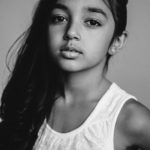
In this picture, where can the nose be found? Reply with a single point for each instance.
(72, 32)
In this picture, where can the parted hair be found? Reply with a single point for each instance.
(35, 79)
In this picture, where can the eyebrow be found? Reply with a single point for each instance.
(60, 6)
(97, 10)
(89, 9)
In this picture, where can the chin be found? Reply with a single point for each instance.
(70, 69)
(69, 65)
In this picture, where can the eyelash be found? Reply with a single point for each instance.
(60, 19)
(93, 22)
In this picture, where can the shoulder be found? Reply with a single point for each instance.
(134, 122)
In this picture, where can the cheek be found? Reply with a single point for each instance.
(105, 39)
(54, 37)
(102, 36)
(100, 43)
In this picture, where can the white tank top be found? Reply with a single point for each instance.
(97, 131)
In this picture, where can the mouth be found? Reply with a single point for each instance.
(71, 49)
(70, 52)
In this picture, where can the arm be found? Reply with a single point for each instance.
(138, 124)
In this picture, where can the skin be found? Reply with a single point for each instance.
(77, 25)
(133, 127)
(74, 25)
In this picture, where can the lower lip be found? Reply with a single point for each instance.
(70, 54)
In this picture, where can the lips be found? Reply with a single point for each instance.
(71, 49)
(70, 52)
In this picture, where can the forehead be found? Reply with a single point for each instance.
(81, 1)
(81, 4)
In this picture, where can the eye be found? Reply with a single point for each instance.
(93, 23)
(58, 19)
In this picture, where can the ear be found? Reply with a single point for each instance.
(118, 43)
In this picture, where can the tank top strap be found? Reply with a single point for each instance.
(105, 116)
(117, 99)
(111, 103)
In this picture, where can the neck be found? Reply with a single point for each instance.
(85, 85)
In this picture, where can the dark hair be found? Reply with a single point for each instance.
(119, 12)
(30, 92)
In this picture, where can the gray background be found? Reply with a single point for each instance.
(130, 68)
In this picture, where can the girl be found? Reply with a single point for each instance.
(58, 96)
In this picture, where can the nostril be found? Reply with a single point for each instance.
(71, 36)
(72, 31)
(67, 37)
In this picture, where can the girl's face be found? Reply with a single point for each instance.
(80, 32)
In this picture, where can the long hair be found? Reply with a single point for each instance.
(118, 9)
(30, 92)
(35, 80)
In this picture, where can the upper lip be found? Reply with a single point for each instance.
(71, 48)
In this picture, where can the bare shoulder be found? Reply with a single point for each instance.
(134, 122)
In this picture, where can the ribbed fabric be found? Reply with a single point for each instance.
(97, 131)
